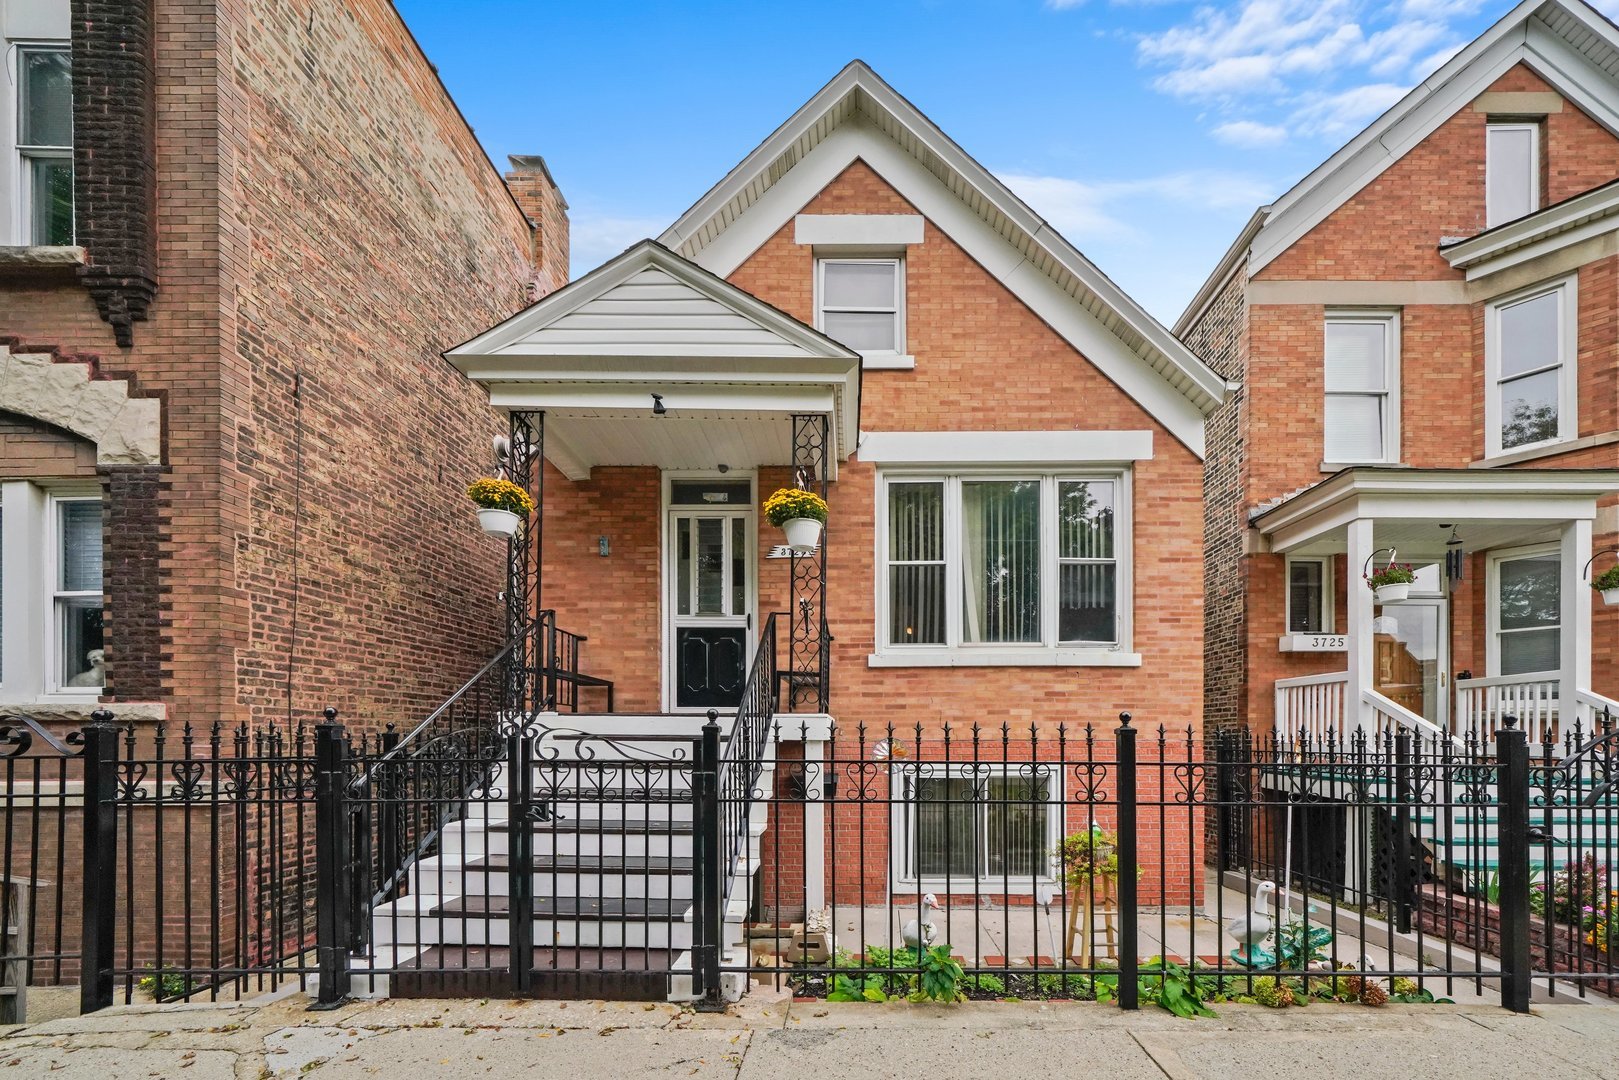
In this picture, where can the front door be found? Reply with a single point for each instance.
(1411, 656)
(711, 543)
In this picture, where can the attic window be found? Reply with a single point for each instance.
(861, 304)
(1511, 171)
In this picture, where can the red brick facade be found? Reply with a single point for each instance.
(1267, 442)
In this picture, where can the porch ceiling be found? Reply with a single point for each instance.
(1504, 508)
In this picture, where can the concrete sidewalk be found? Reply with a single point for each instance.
(768, 1038)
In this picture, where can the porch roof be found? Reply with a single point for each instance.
(1488, 509)
(649, 328)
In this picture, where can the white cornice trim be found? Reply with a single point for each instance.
(1569, 222)
(1004, 447)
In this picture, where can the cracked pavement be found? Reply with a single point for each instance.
(769, 1036)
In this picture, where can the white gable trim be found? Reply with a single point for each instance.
(780, 176)
(1157, 394)
(1518, 37)
(858, 230)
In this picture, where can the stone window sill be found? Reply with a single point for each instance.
(40, 262)
(1032, 657)
(1514, 457)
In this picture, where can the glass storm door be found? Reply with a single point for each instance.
(711, 615)
(1411, 656)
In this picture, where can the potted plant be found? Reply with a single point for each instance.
(501, 504)
(1392, 584)
(799, 514)
(1607, 583)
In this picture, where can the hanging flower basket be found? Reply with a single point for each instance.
(1607, 583)
(502, 505)
(1392, 584)
(799, 514)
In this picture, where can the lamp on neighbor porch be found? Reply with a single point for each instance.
(658, 408)
(1607, 582)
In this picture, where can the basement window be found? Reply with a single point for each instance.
(966, 825)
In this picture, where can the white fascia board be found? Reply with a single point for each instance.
(1004, 447)
(595, 400)
(1506, 256)
(858, 230)
(1126, 368)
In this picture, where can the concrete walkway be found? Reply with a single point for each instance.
(773, 1037)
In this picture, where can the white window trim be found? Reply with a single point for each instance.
(899, 836)
(54, 689)
(1568, 365)
(1389, 319)
(1533, 128)
(1492, 593)
(1329, 612)
(32, 630)
(896, 358)
(15, 211)
(1046, 653)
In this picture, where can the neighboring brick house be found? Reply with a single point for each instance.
(234, 240)
(1424, 333)
(860, 301)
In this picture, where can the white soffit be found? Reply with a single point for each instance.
(858, 230)
(1566, 42)
(857, 116)
(1004, 447)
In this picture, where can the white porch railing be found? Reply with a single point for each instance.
(1595, 710)
(1532, 698)
(1311, 705)
(1389, 716)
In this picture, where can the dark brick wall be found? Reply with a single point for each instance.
(1220, 337)
(114, 157)
(132, 535)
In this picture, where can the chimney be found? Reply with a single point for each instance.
(541, 200)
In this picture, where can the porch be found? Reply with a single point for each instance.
(1502, 561)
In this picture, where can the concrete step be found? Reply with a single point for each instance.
(477, 920)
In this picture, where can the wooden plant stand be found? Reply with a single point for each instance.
(1091, 914)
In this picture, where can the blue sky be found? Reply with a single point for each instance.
(1146, 130)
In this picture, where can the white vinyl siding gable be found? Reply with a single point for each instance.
(1361, 379)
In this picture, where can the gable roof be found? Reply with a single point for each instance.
(1568, 43)
(858, 116)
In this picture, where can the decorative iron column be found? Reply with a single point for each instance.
(524, 467)
(809, 650)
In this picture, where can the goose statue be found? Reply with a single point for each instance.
(923, 933)
(1253, 928)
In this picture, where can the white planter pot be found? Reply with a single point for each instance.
(1610, 596)
(803, 534)
(498, 522)
(1392, 594)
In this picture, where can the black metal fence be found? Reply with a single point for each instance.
(488, 854)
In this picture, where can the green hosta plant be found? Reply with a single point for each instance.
(847, 988)
(941, 977)
(1170, 986)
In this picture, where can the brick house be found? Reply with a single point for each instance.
(1425, 332)
(1010, 447)
(230, 453)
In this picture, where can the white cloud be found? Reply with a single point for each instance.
(1337, 116)
(1063, 5)
(1250, 133)
(593, 238)
(1085, 210)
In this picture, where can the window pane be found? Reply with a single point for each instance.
(1084, 520)
(81, 643)
(916, 604)
(1529, 409)
(1016, 831)
(1530, 650)
(710, 493)
(81, 547)
(916, 521)
(1355, 356)
(1087, 604)
(683, 564)
(1529, 334)
(710, 566)
(1530, 592)
(1305, 598)
(1001, 561)
(945, 824)
(50, 201)
(862, 331)
(1510, 161)
(1354, 427)
(739, 566)
(46, 114)
(858, 284)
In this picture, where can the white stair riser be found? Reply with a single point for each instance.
(663, 934)
(589, 886)
(475, 842)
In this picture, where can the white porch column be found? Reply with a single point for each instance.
(1359, 599)
(815, 828)
(1574, 663)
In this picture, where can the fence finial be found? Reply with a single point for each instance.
(330, 714)
(1124, 720)
(102, 716)
(1509, 722)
